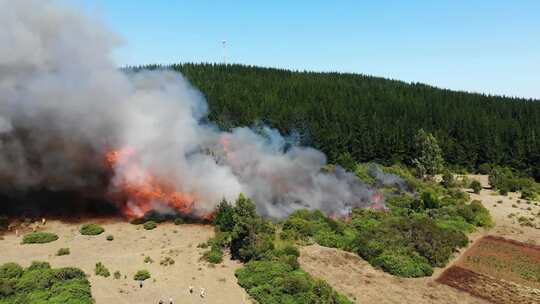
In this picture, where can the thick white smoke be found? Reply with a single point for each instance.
(64, 105)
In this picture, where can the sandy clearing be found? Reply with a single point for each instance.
(500, 207)
(357, 279)
(126, 254)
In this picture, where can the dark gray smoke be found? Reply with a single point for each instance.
(383, 179)
(64, 105)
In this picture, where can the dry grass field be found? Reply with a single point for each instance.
(126, 253)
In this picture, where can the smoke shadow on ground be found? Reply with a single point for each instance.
(68, 206)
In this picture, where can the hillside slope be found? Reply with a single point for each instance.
(370, 118)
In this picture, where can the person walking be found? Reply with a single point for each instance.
(203, 292)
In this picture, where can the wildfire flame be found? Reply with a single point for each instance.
(138, 191)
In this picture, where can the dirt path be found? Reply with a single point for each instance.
(126, 254)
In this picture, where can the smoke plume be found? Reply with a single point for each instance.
(64, 107)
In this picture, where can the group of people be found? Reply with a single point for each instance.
(202, 294)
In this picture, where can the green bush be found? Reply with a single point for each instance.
(403, 265)
(179, 221)
(39, 283)
(485, 168)
(224, 219)
(11, 271)
(272, 282)
(148, 260)
(39, 238)
(214, 255)
(142, 275)
(150, 225)
(110, 237)
(117, 275)
(430, 200)
(101, 270)
(91, 229)
(63, 251)
(476, 186)
(528, 194)
(448, 179)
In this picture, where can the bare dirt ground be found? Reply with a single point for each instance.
(362, 283)
(357, 279)
(501, 208)
(126, 254)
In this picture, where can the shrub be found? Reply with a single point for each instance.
(166, 261)
(476, 186)
(403, 265)
(117, 275)
(179, 221)
(141, 275)
(63, 251)
(430, 200)
(101, 270)
(528, 194)
(39, 283)
(110, 237)
(275, 282)
(214, 255)
(148, 260)
(150, 225)
(91, 229)
(39, 238)
(485, 168)
(448, 179)
(11, 271)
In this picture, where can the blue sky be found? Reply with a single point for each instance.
(490, 46)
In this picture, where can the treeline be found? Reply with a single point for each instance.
(363, 118)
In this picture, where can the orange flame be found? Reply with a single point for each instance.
(141, 191)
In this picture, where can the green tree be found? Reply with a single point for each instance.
(224, 219)
(476, 186)
(428, 160)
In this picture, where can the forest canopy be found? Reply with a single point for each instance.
(359, 118)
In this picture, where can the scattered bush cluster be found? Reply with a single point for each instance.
(91, 229)
(39, 238)
(39, 283)
(158, 217)
(271, 273)
(505, 180)
(166, 261)
(421, 229)
(101, 270)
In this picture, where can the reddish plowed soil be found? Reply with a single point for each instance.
(489, 288)
(504, 259)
